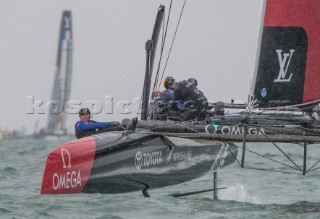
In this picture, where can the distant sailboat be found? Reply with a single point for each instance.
(56, 125)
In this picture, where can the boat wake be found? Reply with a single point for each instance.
(238, 192)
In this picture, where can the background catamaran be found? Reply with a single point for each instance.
(56, 125)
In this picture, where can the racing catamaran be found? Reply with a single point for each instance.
(133, 159)
(56, 125)
(150, 154)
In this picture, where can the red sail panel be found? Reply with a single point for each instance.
(68, 167)
(304, 14)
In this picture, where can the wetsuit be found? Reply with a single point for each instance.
(195, 103)
(92, 127)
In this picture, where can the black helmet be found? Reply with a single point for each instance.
(84, 111)
(193, 81)
(168, 81)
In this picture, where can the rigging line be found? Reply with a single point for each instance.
(313, 169)
(313, 166)
(173, 39)
(281, 151)
(271, 159)
(279, 171)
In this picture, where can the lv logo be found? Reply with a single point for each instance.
(284, 64)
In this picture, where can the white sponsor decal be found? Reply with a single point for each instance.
(236, 130)
(64, 151)
(284, 64)
(182, 155)
(169, 152)
(147, 159)
(67, 179)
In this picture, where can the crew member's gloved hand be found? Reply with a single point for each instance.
(115, 123)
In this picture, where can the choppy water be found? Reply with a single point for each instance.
(249, 193)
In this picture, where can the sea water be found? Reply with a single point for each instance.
(251, 192)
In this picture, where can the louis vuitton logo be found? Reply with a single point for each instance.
(284, 63)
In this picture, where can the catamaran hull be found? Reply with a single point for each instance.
(117, 162)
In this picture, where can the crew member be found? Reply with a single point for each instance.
(87, 127)
(163, 103)
(195, 104)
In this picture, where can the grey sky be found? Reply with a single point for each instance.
(216, 43)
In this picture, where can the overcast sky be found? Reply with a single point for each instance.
(216, 43)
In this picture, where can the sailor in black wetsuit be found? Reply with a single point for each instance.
(163, 103)
(86, 127)
(195, 104)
